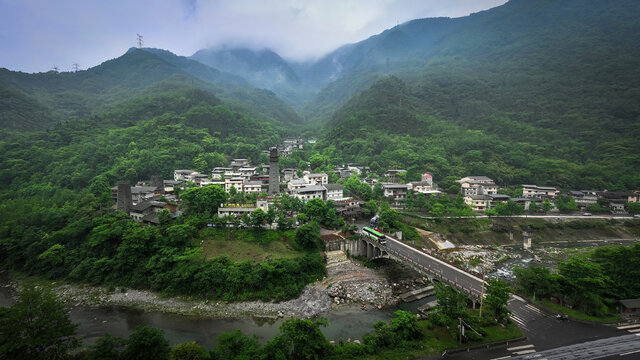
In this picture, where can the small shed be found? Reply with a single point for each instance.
(630, 305)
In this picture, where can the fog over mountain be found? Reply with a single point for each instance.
(35, 36)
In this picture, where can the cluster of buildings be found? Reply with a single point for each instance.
(481, 193)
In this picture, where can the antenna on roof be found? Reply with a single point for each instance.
(140, 42)
(76, 67)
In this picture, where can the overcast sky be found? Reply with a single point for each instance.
(36, 35)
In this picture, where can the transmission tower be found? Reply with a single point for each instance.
(76, 67)
(55, 69)
(140, 42)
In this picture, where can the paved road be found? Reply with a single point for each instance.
(464, 280)
(545, 333)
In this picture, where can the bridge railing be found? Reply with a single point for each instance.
(473, 293)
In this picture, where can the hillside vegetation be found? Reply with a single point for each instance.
(37, 101)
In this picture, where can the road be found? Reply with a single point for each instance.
(466, 281)
(549, 338)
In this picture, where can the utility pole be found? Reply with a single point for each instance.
(482, 294)
(140, 41)
(76, 67)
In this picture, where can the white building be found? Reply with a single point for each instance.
(311, 192)
(530, 191)
(254, 187)
(334, 191)
(236, 182)
(317, 179)
(186, 175)
(396, 191)
(296, 184)
(477, 185)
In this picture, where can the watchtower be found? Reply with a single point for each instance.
(124, 196)
(274, 172)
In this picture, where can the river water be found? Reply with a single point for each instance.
(346, 321)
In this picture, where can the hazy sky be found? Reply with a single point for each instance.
(36, 35)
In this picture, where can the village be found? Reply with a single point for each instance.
(481, 193)
(264, 182)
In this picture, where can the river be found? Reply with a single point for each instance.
(346, 321)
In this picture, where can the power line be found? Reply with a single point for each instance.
(140, 41)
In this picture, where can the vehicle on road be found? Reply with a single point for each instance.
(586, 214)
(564, 317)
(374, 235)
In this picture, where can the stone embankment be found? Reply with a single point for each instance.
(347, 282)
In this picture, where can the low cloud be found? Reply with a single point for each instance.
(37, 35)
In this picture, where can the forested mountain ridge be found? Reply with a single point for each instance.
(262, 68)
(390, 126)
(35, 101)
(147, 135)
(576, 45)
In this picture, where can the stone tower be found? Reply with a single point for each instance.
(274, 172)
(158, 183)
(124, 196)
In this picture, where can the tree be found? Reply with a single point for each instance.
(302, 339)
(257, 217)
(371, 208)
(451, 304)
(106, 348)
(236, 346)
(585, 284)
(566, 204)
(204, 200)
(405, 325)
(546, 205)
(388, 218)
(308, 236)
(37, 326)
(497, 297)
(188, 351)
(146, 342)
(316, 209)
(533, 206)
(633, 208)
(450, 184)
(535, 281)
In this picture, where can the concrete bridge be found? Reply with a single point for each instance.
(429, 266)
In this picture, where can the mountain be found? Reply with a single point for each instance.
(568, 42)
(145, 135)
(36, 101)
(537, 91)
(262, 68)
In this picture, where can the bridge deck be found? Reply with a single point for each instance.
(434, 267)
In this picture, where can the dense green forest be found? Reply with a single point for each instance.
(389, 126)
(57, 188)
(147, 135)
(38, 101)
(591, 282)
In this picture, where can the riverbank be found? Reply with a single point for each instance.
(347, 283)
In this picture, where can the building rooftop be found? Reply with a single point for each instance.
(333, 187)
(311, 188)
(394, 186)
(147, 204)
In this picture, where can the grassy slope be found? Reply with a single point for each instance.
(253, 245)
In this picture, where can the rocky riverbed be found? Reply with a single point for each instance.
(347, 282)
